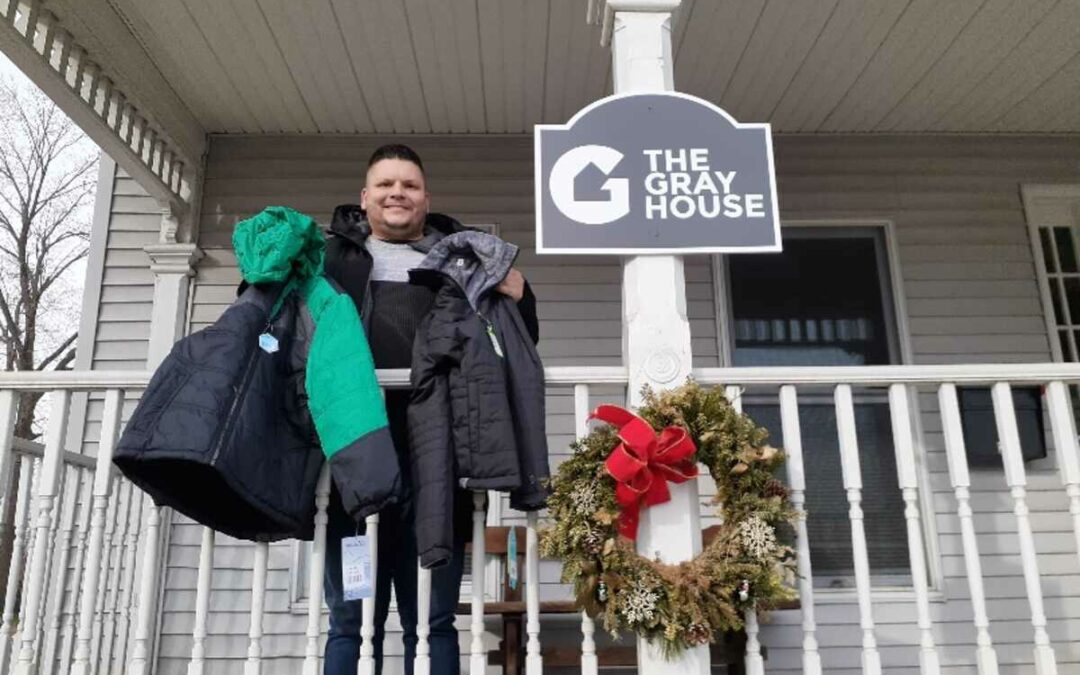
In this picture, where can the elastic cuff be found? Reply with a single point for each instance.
(435, 557)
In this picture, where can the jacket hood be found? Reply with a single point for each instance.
(475, 261)
(277, 243)
(350, 221)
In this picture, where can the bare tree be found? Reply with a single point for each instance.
(46, 182)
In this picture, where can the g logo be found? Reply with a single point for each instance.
(563, 185)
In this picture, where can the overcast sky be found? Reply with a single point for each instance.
(7, 68)
(75, 277)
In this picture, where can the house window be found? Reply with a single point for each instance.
(826, 301)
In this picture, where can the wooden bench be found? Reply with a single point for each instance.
(729, 651)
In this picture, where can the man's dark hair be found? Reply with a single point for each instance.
(396, 151)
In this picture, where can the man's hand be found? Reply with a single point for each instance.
(513, 285)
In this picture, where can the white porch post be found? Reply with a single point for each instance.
(172, 264)
(656, 333)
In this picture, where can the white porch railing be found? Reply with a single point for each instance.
(76, 602)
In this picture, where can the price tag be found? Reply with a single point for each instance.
(356, 569)
(494, 340)
(268, 343)
(512, 559)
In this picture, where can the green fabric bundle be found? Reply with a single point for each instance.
(282, 245)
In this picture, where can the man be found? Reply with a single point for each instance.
(371, 249)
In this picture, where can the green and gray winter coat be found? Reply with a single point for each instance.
(230, 428)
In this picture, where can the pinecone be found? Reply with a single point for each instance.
(593, 542)
(774, 488)
(698, 634)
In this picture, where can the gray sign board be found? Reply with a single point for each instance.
(655, 173)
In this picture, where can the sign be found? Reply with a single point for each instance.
(655, 173)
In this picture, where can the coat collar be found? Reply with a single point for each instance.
(474, 261)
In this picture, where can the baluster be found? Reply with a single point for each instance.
(1009, 437)
(985, 656)
(106, 99)
(50, 549)
(129, 128)
(98, 632)
(146, 146)
(49, 19)
(130, 546)
(1064, 429)
(478, 655)
(422, 664)
(792, 432)
(72, 608)
(202, 604)
(18, 550)
(46, 497)
(110, 427)
(113, 587)
(852, 476)
(147, 599)
(534, 662)
(157, 157)
(64, 61)
(908, 479)
(72, 488)
(755, 661)
(9, 405)
(31, 539)
(589, 663)
(92, 92)
(253, 665)
(316, 572)
(119, 105)
(139, 141)
(32, 20)
(366, 665)
(80, 69)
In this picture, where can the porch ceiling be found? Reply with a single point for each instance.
(495, 66)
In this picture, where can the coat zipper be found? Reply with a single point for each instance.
(241, 394)
(489, 328)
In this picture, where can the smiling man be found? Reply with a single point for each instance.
(370, 252)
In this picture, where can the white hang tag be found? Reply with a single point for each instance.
(268, 343)
(357, 574)
(494, 340)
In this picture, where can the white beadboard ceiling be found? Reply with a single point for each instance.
(500, 66)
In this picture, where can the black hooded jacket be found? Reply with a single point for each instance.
(476, 419)
(349, 263)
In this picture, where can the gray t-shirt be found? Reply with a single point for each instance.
(391, 261)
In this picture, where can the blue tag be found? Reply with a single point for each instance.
(268, 343)
(512, 560)
(357, 575)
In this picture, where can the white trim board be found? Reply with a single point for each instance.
(1049, 205)
(91, 300)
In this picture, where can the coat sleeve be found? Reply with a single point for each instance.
(431, 452)
(527, 307)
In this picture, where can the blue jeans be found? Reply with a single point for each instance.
(396, 564)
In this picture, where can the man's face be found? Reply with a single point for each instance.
(396, 200)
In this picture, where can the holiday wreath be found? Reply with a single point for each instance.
(624, 466)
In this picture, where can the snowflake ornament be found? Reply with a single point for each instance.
(757, 536)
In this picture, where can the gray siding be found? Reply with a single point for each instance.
(115, 327)
(968, 280)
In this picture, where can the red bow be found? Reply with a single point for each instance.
(644, 462)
